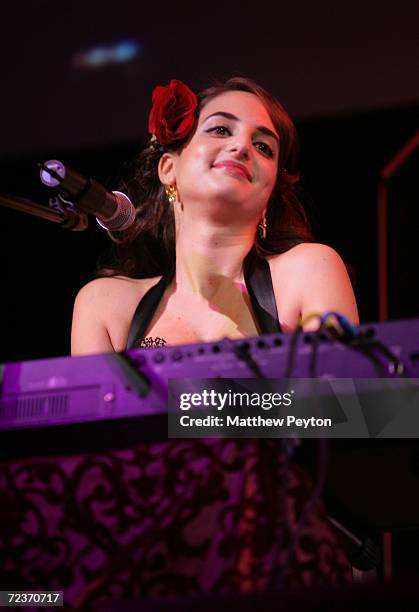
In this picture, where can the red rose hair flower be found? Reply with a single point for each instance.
(172, 114)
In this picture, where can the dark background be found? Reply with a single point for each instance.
(347, 74)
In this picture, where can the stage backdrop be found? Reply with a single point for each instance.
(81, 73)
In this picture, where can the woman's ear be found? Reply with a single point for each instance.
(166, 169)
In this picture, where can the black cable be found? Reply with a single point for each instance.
(279, 573)
(369, 348)
(316, 339)
(292, 352)
(243, 353)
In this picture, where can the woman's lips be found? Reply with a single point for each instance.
(235, 168)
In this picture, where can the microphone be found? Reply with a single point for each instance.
(113, 211)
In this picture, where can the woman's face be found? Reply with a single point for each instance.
(232, 158)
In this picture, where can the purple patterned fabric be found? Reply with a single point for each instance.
(169, 519)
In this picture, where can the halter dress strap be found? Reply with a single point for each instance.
(258, 279)
(146, 308)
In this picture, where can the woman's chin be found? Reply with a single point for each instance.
(227, 191)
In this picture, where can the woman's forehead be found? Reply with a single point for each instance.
(244, 105)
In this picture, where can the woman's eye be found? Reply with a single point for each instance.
(220, 130)
(265, 149)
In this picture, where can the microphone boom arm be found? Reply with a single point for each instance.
(65, 218)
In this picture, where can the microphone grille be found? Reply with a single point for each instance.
(124, 216)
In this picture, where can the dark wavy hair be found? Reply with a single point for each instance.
(147, 248)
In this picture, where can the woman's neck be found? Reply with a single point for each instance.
(209, 260)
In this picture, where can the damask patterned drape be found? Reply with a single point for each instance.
(175, 518)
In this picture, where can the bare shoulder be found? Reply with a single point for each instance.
(307, 255)
(102, 313)
(317, 279)
(106, 290)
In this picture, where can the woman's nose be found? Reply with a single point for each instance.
(241, 147)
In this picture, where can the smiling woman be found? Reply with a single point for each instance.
(221, 245)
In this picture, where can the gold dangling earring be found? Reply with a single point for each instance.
(171, 193)
(263, 226)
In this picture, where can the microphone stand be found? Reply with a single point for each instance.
(65, 216)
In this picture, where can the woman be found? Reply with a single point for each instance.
(220, 248)
(215, 193)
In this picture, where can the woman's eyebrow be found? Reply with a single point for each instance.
(260, 128)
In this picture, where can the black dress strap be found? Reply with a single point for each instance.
(146, 309)
(258, 279)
